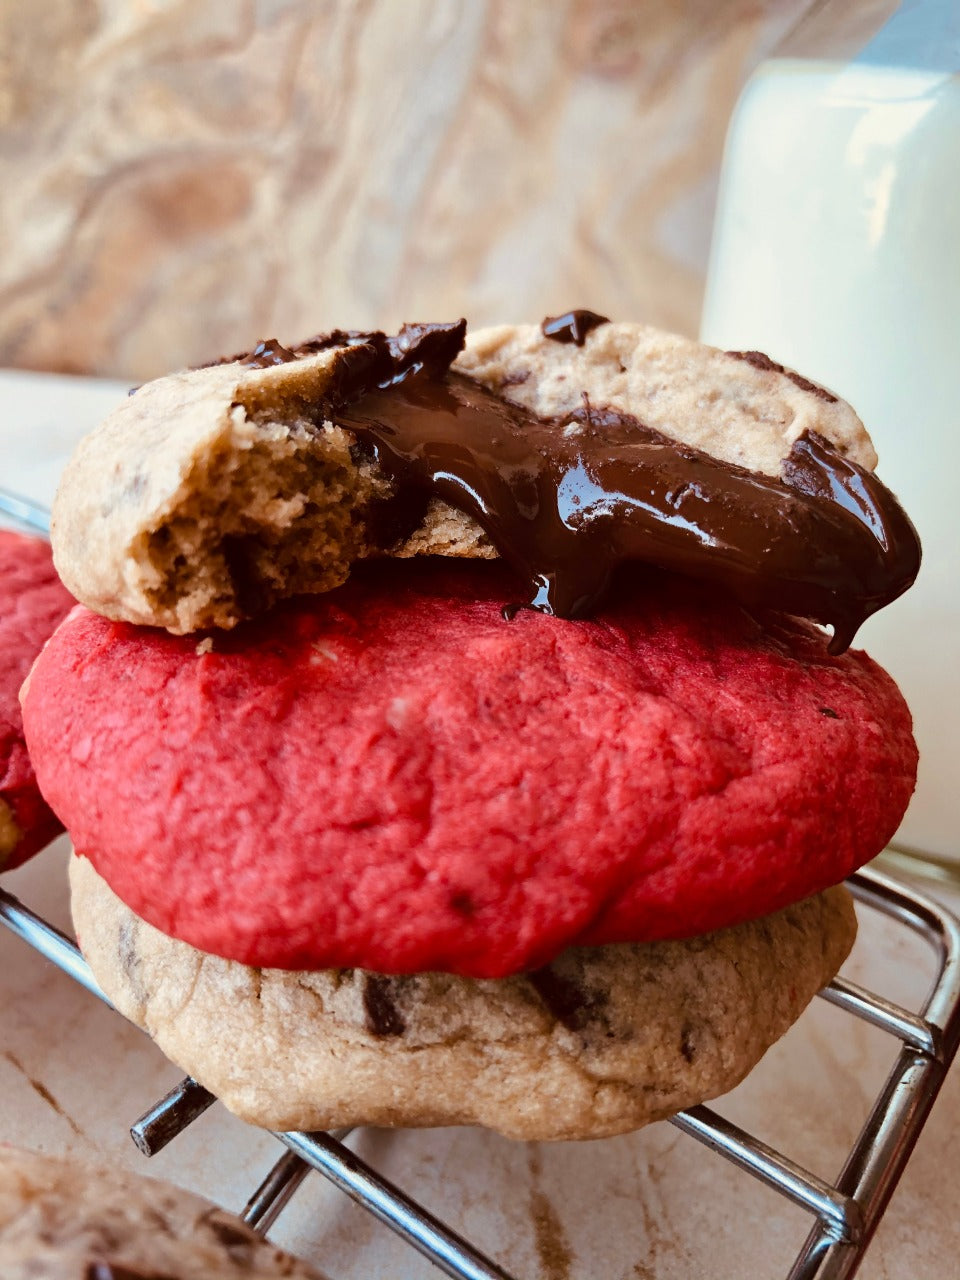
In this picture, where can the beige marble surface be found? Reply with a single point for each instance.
(179, 179)
(73, 1076)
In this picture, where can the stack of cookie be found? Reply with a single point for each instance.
(451, 734)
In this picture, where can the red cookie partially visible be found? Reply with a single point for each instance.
(32, 602)
(393, 777)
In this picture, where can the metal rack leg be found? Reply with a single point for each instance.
(170, 1116)
(274, 1193)
(447, 1250)
(876, 1162)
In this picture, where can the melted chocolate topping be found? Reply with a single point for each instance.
(572, 326)
(567, 501)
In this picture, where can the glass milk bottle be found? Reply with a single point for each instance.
(837, 251)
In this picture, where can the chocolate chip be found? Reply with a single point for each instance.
(240, 553)
(761, 361)
(383, 1016)
(569, 1003)
(233, 1235)
(267, 353)
(572, 326)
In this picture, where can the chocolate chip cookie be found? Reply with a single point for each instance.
(599, 1042)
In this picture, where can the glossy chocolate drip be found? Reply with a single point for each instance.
(386, 355)
(566, 502)
(382, 1015)
(432, 345)
(572, 326)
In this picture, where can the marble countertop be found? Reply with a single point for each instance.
(73, 1076)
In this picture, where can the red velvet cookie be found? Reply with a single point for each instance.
(396, 778)
(32, 601)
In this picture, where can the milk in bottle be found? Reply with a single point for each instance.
(837, 251)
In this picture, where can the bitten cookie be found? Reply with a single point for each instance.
(601, 1041)
(65, 1220)
(394, 777)
(210, 494)
(32, 602)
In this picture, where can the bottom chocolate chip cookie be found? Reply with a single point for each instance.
(70, 1221)
(601, 1041)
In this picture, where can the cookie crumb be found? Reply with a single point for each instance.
(205, 646)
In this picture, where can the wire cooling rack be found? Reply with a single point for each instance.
(845, 1213)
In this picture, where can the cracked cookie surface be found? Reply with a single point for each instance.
(601, 1041)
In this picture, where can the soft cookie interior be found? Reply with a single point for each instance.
(273, 511)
